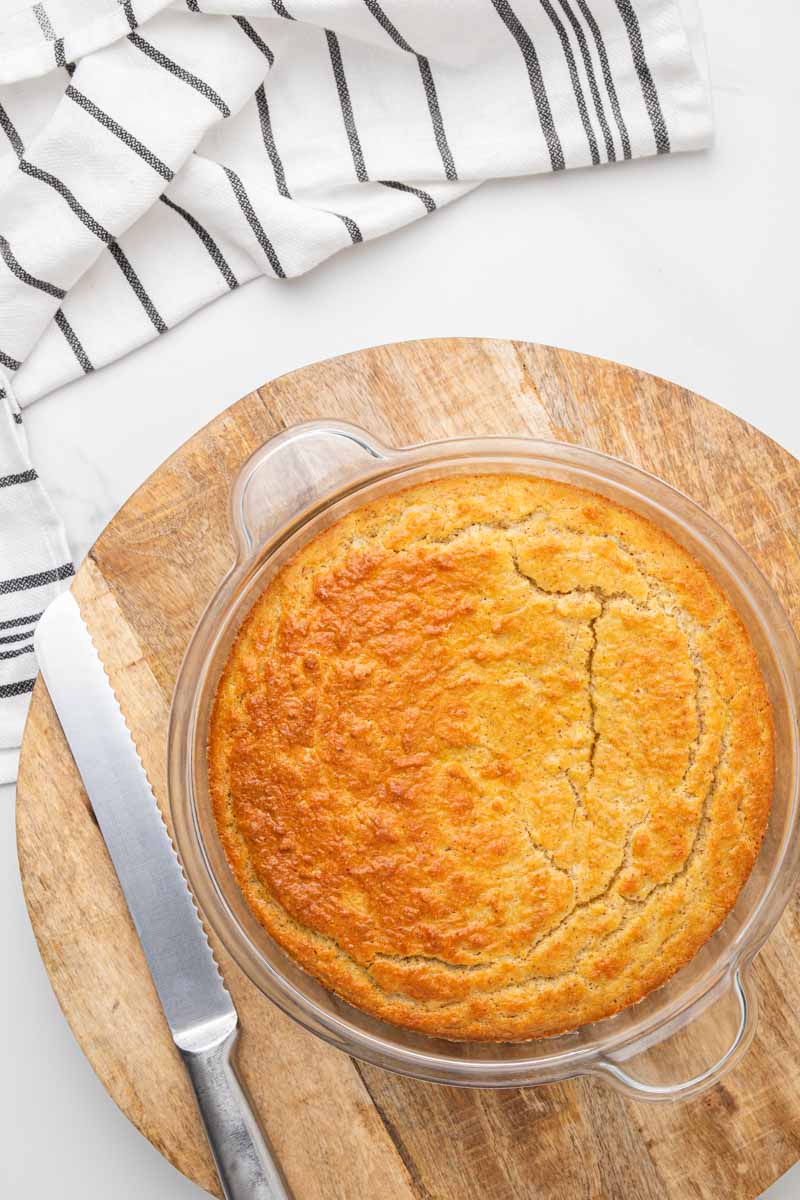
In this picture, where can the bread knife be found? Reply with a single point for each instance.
(199, 1010)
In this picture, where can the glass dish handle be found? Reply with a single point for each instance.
(293, 470)
(730, 1021)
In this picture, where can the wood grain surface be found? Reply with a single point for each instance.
(342, 1130)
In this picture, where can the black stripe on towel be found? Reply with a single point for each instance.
(130, 14)
(7, 125)
(179, 72)
(22, 477)
(580, 99)
(428, 84)
(253, 221)
(61, 57)
(217, 257)
(649, 90)
(590, 75)
(12, 363)
(130, 141)
(257, 41)
(24, 582)
(133, 279)
(16, 653)
(17, 269)
(17, 637)
(73, 341)
(346, 105)
(17, 418)
(356, 235)
(58, 42)
(44, 22)
(192, 6)
(425, 197)
(269, 142)
(531, 58)
(383, 20)
(436, 117)
(16, 689)
(608, 78)
(280, 9)
(45, 177)
(16, 621)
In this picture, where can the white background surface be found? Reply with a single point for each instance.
(685, 267)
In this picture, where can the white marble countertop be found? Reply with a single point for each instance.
(685, 268)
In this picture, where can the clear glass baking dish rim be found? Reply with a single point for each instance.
(367, 462)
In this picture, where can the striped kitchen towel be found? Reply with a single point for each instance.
(156, 155)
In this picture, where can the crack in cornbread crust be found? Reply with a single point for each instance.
(491, 757)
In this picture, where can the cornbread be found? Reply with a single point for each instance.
(491, 757)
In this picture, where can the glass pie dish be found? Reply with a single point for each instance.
(681, 1038)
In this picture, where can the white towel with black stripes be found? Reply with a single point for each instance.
(155, 155)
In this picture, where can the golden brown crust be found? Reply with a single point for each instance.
(492, 757)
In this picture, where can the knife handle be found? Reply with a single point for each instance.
(244, 1161)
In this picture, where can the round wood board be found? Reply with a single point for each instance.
(345, 1131)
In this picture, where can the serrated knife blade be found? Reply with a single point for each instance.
(198, 1008)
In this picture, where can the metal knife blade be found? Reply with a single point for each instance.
(186, 976)
(198, 1008)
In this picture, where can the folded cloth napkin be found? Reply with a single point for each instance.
(159, 155)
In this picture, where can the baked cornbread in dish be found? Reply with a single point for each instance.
(491, 757)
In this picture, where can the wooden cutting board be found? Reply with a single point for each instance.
(345, 1131)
